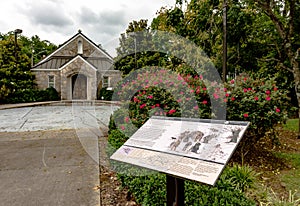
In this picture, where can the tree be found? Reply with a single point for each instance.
(14, 72)
(136, 49)
(284, 16)
(35, 48)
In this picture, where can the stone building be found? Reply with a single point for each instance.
(78, 69)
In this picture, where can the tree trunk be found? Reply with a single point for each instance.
(296, 73)
(297, 90)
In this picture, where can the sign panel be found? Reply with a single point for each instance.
(194, 149)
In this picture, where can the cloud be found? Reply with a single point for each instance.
(107, 22)
(48, 13)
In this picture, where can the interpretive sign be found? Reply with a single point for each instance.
(195, 149)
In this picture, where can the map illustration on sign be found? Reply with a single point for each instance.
(191, 148)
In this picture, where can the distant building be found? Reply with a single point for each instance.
(78, 69)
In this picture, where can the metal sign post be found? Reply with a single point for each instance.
(175, 191)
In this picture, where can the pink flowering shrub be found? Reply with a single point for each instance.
(258, 101)
(163, 93)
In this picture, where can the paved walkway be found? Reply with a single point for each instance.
(49, 155)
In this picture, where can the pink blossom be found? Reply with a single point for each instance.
(275, 89)
(245, 90)
(135, 99)
(246, 115)
(150, 97)
(172, 111)
(196, 107)
(204, 88)
(126, 119)
(216, 96)
(225, 100)
(142, 106)
(232, 81)
(153, 106)
(157, 105)
(249, 89)
(122, 127)
(268, 92)
(192, 91)
(225, 89)
(204, 102)
(232, 98)
(268, 98)
(226, 95)
(277, 110)
(201, 77)
(256, 98)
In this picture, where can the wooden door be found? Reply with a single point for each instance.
(79, 86)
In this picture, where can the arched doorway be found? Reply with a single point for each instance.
(79, 86)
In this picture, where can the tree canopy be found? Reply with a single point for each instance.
(15, 62)
(263, 37)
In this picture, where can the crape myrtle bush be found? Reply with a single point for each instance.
(162, 93)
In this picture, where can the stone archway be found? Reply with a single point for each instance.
(79, 86)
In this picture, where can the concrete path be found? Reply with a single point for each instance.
(50, 155)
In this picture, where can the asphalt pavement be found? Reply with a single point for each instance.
(49, 155)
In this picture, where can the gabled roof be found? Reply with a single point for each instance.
(75, 58)
(71, 39)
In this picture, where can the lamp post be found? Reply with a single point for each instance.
(16, 32)
(224, 40)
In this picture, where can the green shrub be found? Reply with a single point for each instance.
(33, 95)
(259, 101)
(105, 94)
(241, 177)
(151, 190)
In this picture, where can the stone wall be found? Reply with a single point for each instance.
(78, 67)
(115, 77)
(41, 79)
(71, 49)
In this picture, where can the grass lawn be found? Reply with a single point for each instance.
(280, 168)
(291, 178)
(292, 125)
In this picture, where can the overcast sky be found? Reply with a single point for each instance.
(57, 20)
